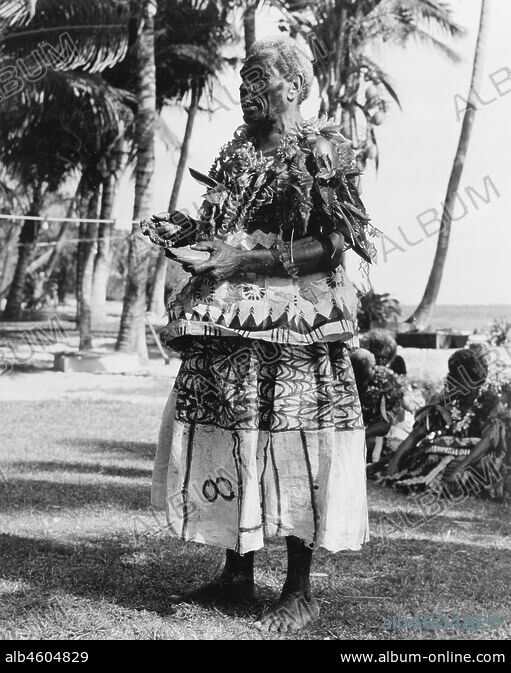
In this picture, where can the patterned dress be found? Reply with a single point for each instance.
(262, 435)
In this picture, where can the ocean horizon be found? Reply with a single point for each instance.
(463, 317)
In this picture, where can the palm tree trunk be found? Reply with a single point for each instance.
(104, 252)
(249, 26)
(57, 248)
(6, 262)
(131, 337)
(335, 85)
(26, 250)
(423, 313)
(85, 272)
(157, 304)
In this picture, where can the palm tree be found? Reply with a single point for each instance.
(353, 87)
(191, 35)
(12, 199)
(156, 301)
(103, 259)
(422, 314)
(85, 264)
(250, 8)
(69, 120)
(131, 337)
(26, 249)
(32, 149)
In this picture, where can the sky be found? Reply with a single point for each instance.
(417, 147)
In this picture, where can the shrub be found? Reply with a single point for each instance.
(374, 307)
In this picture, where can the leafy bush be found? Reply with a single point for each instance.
(374, 307)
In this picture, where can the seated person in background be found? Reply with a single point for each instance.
(398, 365)
(381, 396)
(384, 348)
(468, 421)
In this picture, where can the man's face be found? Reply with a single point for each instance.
(263, 94)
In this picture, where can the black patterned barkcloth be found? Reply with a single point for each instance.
(236, 383)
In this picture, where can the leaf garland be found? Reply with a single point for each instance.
(383, 396)
(310, 177)
(447, 415)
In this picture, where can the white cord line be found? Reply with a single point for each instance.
(77, 240)
(39, 218)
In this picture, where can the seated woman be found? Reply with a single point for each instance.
(381, 396)
(466, 426)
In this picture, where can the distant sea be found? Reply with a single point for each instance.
(463, 318)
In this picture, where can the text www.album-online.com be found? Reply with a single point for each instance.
(433, 658)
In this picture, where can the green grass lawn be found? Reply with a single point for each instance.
(83, 555)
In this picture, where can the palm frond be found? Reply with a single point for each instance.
(434, 14)
(71, 34)
(16, 12)
(428, 39)
(68, 121)
(196, 55)
(189, 39)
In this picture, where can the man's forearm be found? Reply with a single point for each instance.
(305, 256)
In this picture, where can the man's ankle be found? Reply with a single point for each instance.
(236, 578)
(300, 588)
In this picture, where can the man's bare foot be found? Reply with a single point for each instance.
(292, 612)
(221, 590)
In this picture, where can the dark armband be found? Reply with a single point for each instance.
(282, 253)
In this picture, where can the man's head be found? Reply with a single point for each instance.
(381, 344)
(467, 369)
(277, 75)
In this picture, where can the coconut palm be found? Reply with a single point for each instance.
(190, 37)
(131, 337)
(49, 131)
(118, 159)
(353, 87)
(72, 34)
(422, 314)
(12, 199)
(69, 36)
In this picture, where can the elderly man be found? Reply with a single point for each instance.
(263, 435)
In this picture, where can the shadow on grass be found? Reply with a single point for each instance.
(125, 448)
(359, 592)
(85, 468)
(139, 577)
(497, 523)
(40, 495)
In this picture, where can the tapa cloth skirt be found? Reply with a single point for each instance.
(260, 439)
